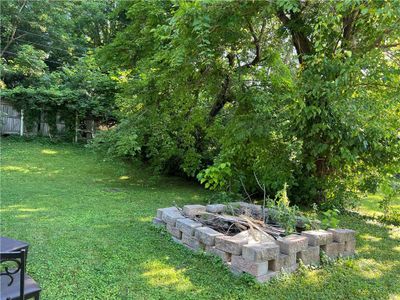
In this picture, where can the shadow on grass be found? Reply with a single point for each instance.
(371, 275)
(90, 236)
(123, 251)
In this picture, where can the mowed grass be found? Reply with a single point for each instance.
(369, 205)
(88, 223)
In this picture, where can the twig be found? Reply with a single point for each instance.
(264, 194)
(244, 188)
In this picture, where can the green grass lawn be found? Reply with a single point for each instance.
(369, 205)
(88, 222)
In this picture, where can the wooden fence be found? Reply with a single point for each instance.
(10, 119)
(12, 122)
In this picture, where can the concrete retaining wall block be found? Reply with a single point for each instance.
(194, 210)
(256, 269)
(187, 226)
(225, 256)
(192, 242)
(206, 235)
(258, 255)
(310, 256)
(260, 252)
(318, 237)
(293, 244)
(174, 231)
(215, 208)
(232, 244)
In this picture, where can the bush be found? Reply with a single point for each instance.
(280, 211)
(330, 219)
(117, 142)
(390, 190)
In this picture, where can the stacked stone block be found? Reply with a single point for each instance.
(334, 242)
(346, 241)
(318, 240)
(187, 227)
(254, 253)
(291, 247)
(193, 210)
(215, 208)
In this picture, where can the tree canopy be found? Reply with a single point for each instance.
(48, 58)
(245, 95)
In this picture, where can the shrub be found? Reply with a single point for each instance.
(330, 218)
(281, 212)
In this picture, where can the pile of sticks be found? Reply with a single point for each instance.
(231, 224)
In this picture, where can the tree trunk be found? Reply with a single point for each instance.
(76, 128)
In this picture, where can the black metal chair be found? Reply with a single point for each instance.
(15, 283)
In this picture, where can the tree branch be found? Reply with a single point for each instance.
(385, 46)
(12, 37)
(378, 41)
(256, 42)
(349, 22)
(244, 188)
(223, 96)
(300, 41)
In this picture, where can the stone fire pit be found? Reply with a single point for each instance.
(251, 251)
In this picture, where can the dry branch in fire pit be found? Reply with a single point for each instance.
(230, 225)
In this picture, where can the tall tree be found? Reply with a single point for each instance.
(346, 75)
(47, 60)
(41, 24)
(286, 90)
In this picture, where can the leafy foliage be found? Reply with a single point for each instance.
(330, 219)
(116, 142)
(288, 90)
(47, 64)
(281, 212)
(82, 90)
(390, 190)
(215, 177)
(209, 82)
(86, 206)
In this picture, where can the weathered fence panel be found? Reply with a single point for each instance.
(10, 119)
(10, 123)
